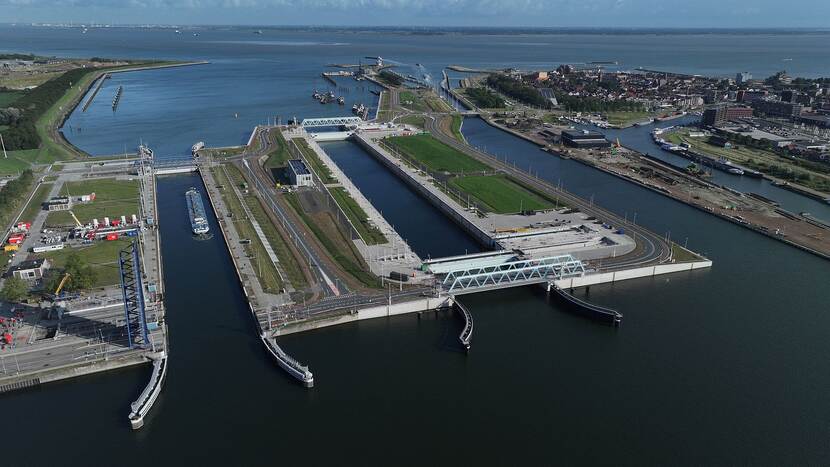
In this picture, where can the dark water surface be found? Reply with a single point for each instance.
(726, 366)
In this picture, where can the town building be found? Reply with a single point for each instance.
(743, 77)
(58, 203)
(778, 108)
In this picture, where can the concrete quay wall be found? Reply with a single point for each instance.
(372, 312)
(635, 273)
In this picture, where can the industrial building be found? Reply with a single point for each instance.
(720, 114)
(29, 270)
(299, 173)
(584, 139)
(60, 203)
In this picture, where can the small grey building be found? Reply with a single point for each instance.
(299, 173)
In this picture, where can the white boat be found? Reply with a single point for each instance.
(736, 171)
(197, 147)
(144, 151)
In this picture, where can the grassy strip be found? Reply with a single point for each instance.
(278, 157)
(101, 255)
(321, 169)
(622, 118)
(681, 255)
(290, 265)
(456, 128)
(348, 263)
(113, 199)
(414, 120)
(762, 160)
(268, 276)
(36, 205)
(358, 216)
(501, 194)
(435, 155)
(13, 195)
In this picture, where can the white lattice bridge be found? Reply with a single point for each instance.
(512, 274)
(330, 121)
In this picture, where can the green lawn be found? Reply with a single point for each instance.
(36, 205)
(113, 199)
(12, 164)
(500, 194)
(316, 164)
(101, 255)
(414, 120)
(435, 155)
(412, 101)
(457, 120)
(358, 216)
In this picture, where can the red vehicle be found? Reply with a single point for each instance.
(112, 236)
(24, 226)
(16, 239)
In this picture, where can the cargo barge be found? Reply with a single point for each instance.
(196, 210)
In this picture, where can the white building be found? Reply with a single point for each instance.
(299, 173)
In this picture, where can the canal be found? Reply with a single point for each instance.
(639, 139)
(427, 230)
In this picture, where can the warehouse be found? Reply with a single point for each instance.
(584, 139)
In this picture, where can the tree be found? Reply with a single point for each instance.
(82, 276)
(14, 290)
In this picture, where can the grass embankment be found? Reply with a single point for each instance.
(8, 97)
(762, 160)
(316, 164)
(626, 118)
(340, 248)
(455, 127)
(13, 195)
(36, 204)
(370, 234)
(101, 255)
(269, 278)
(500, 194)
(16, 162)
(278, 157)
(113, 199)
(289, 262)
(435, 155)
(682, 255)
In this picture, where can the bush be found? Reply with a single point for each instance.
(14, 290)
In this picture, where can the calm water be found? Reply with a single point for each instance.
(720, 367)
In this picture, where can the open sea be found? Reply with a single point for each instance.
(726, 366)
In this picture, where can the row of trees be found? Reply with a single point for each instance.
(81, 277)
(14, 190)
(390, 78)
(21, 133)
(484, 98)
(517, 90)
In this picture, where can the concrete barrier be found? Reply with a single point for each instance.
(636, 273)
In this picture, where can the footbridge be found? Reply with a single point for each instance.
(330, 121)
(493, 274)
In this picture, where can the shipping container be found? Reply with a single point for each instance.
(112, 236)
(131, 233)
(11, 247)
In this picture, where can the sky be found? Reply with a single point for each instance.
(507, 13)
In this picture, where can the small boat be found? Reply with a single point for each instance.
(144, 152)
(736, 171)
(341, 100)
(197, 147)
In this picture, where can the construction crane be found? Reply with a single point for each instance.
(62, 283)
(76, 219)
